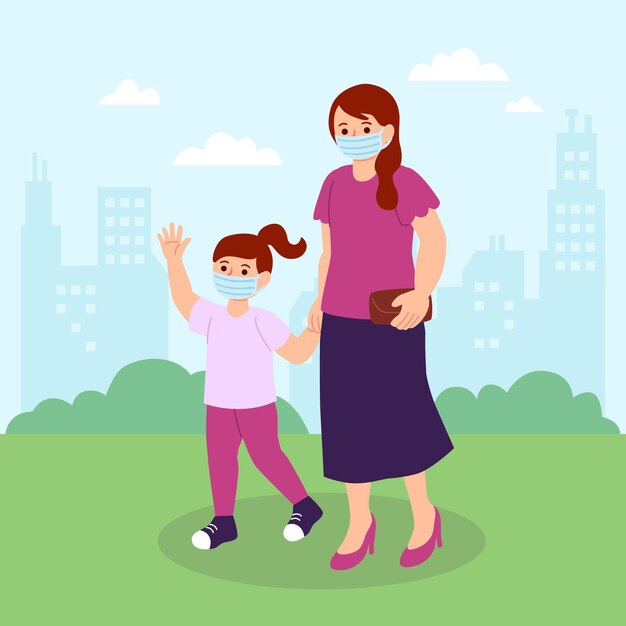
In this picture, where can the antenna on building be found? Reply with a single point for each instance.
(34, 166)
(571, 116)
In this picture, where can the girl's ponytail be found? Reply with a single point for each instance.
(274, 235)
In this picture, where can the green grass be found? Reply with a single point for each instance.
(95, 530)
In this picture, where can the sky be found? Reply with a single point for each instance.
(269, 71)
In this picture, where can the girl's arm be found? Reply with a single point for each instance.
(315, 314)
(173, 246)
(299, 349)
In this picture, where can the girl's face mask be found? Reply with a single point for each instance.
(236, 287)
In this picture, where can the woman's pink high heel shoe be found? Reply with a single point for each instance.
(352, 559)
(411, 558)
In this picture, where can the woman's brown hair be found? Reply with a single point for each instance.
(249, 246)
(367, 99)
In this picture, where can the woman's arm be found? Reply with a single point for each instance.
(173, 247)
(315, 314)
(428, 269)
(299, 349)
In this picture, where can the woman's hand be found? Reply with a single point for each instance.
(414, 307)
(314, 322)
(172, 244)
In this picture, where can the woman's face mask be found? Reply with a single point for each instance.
(361, 146)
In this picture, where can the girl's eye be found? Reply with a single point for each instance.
(244, 272)
(366, 130)
(223, 268)
(344, 131)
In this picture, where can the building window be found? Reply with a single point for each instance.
(61, 290)
(494, 343)
(109, 240)
(140, 240)
(569, 156)
(140, 203)
(124, 203)
(61, 309)
(90, 309)
(124, 259)
(559, 228)
(569, 175)
(574, 228)
(590, 209)
(583, 156)
(140, 259)
(479, 343)
(590, 246)
(75, 290)
(560, 246)
(509, 305)
(509, 324)
(574, 246)
(574, 266)
(560, 209)
(75, 327)
(90, 346)
(109, 203)
(583, 175)
(590, 266)
(90, 290)
(560, 266)
(590, 228)
(575, 209)
(124, 240)
(140, 221)
(494, 287)
(109, 221)
(109, 259)
(124, 221)
(479, 305)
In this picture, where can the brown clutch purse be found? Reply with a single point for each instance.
(381, 311)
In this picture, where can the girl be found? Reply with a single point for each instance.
(378, 416)
(239, 387)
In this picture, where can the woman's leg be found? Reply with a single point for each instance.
(222, 441)
(259, 429)
(423, 510)
(360, 516)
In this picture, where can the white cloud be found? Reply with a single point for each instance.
(460, 65)
(525, 105)
(222, 149)
(128, 93)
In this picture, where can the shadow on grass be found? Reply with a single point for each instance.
(260, 556)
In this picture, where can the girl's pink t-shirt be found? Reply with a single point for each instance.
(371, 248)
(239, 354)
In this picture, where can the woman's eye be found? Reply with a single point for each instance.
(223, 268)
(244, 272)
(366, 130)
(344, 131)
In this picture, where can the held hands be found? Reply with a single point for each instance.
(414, 308)
(314, 322)
(172, 243)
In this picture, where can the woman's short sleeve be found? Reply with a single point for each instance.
(415, 196)
(322, 206)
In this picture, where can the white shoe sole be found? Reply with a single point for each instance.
(201, 540)
(293, 532)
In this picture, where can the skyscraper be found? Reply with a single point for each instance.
(80, 325)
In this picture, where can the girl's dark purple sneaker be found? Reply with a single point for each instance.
(305, 514)
(220, 530)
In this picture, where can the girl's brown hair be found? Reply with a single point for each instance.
(249, 246)
(367, 99)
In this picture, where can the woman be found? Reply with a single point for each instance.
(378, 416)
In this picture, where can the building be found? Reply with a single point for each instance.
(80, 325)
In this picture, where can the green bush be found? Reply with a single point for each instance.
(149, 396)
(539, 402)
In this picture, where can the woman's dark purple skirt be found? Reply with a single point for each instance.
(378, 416)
